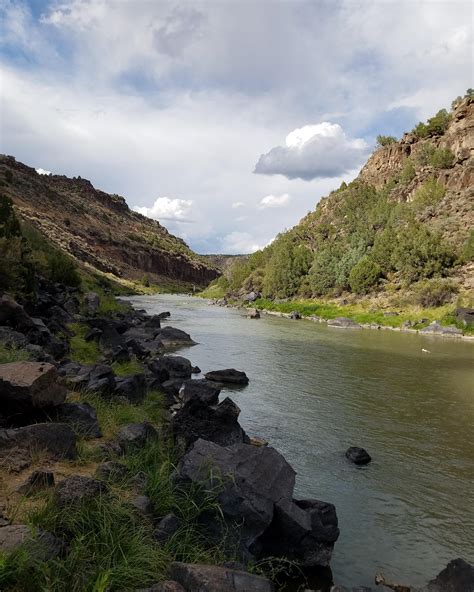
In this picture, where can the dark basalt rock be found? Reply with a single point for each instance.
(170, 337)
(82, 417)
(26, 386)
(303, 531)
(205, 390)
(112, 471)
(143, 505)
(358, 456)
(216, 423)
(457, 576)
(56, 439)
(168, 367)
(37, 481)
(77, 488)
(211, 578)
(228, 376)
(166, 527)
(465, 316)
(135, 435)
(133, 387)
(38, 546)
(166, 586)
(14, 315)
(250, 479)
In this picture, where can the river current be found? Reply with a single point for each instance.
(316, 390)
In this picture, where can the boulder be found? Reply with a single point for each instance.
(93, 334)
(358, 456)
(153, 321)
(465, 316)
(77, 488)
(211, 578)
(143, 505)
(295, 315)
(457, 576)
(304, 531)
(196, 370)
(39, 545)
(101, 380)
(26, 386)
(164, 315)
(72, 305)
(112, 471)
(205, 390)
(228, 376)
(121, 354)
(37, 481)
(133, 387)
(82, 417)
(168, 367)
(11, 338)
(252, 313)
(56, 439)
(343, 323)
(216, 423)
(249, 481)
(14, 315)
(435, 328)
(135, 435)
(166, 586)
(91, 302)
(251, 297)
(171, 337)
(166, 528)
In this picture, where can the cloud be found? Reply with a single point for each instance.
(312, 152)
(238, 204)
(239, 243)
(274, 201)
(41, 171)
(165, 208)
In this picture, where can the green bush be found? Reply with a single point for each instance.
(434, 292)
(322, 275)
(408, 172)
(428, 194)
(385, 140)
(468, 248)
(435, 126)
(62, 269)
(364, 275)
(442, 158)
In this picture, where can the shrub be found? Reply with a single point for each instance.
(424, 154)
(62, 269)
(442, 158)
(435, 292)
(435, 126)
(468, 248)
(146, 281)
(364, 275)
(428, 194)
(408, 172)
(322, 275)
(385, 140)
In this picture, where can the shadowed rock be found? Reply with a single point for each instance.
(82, 417)
(77, 488)
(38, 545)
(211, 578)
(26, 386)
(358, 456)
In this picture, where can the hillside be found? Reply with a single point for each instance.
(99, 229)
(401, 232)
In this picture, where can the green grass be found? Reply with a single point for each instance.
(12, 354)
(112, 414)
(127, 368)
(358, 313)
(82, 351)
(213, 291)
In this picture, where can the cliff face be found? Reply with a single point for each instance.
(99, 229)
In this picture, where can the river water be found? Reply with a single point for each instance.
(316, 390)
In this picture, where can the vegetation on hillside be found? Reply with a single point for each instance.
(362, 240)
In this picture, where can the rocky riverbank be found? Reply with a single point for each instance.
(335, 317)
(120, 471)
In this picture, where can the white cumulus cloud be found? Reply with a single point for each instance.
(238, 204)
(165, 208)
(239, 243)
(41, 171)
(274, 201)
(314, 151)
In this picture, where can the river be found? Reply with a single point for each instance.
(316, 390)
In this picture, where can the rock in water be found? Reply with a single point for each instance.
(457, 576)
(26, 386)
(358, 456)
(228, 376)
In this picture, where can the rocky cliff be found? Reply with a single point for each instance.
(99, 229)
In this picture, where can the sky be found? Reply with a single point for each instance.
(225, 120)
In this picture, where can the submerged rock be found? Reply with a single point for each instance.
(358, 456)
